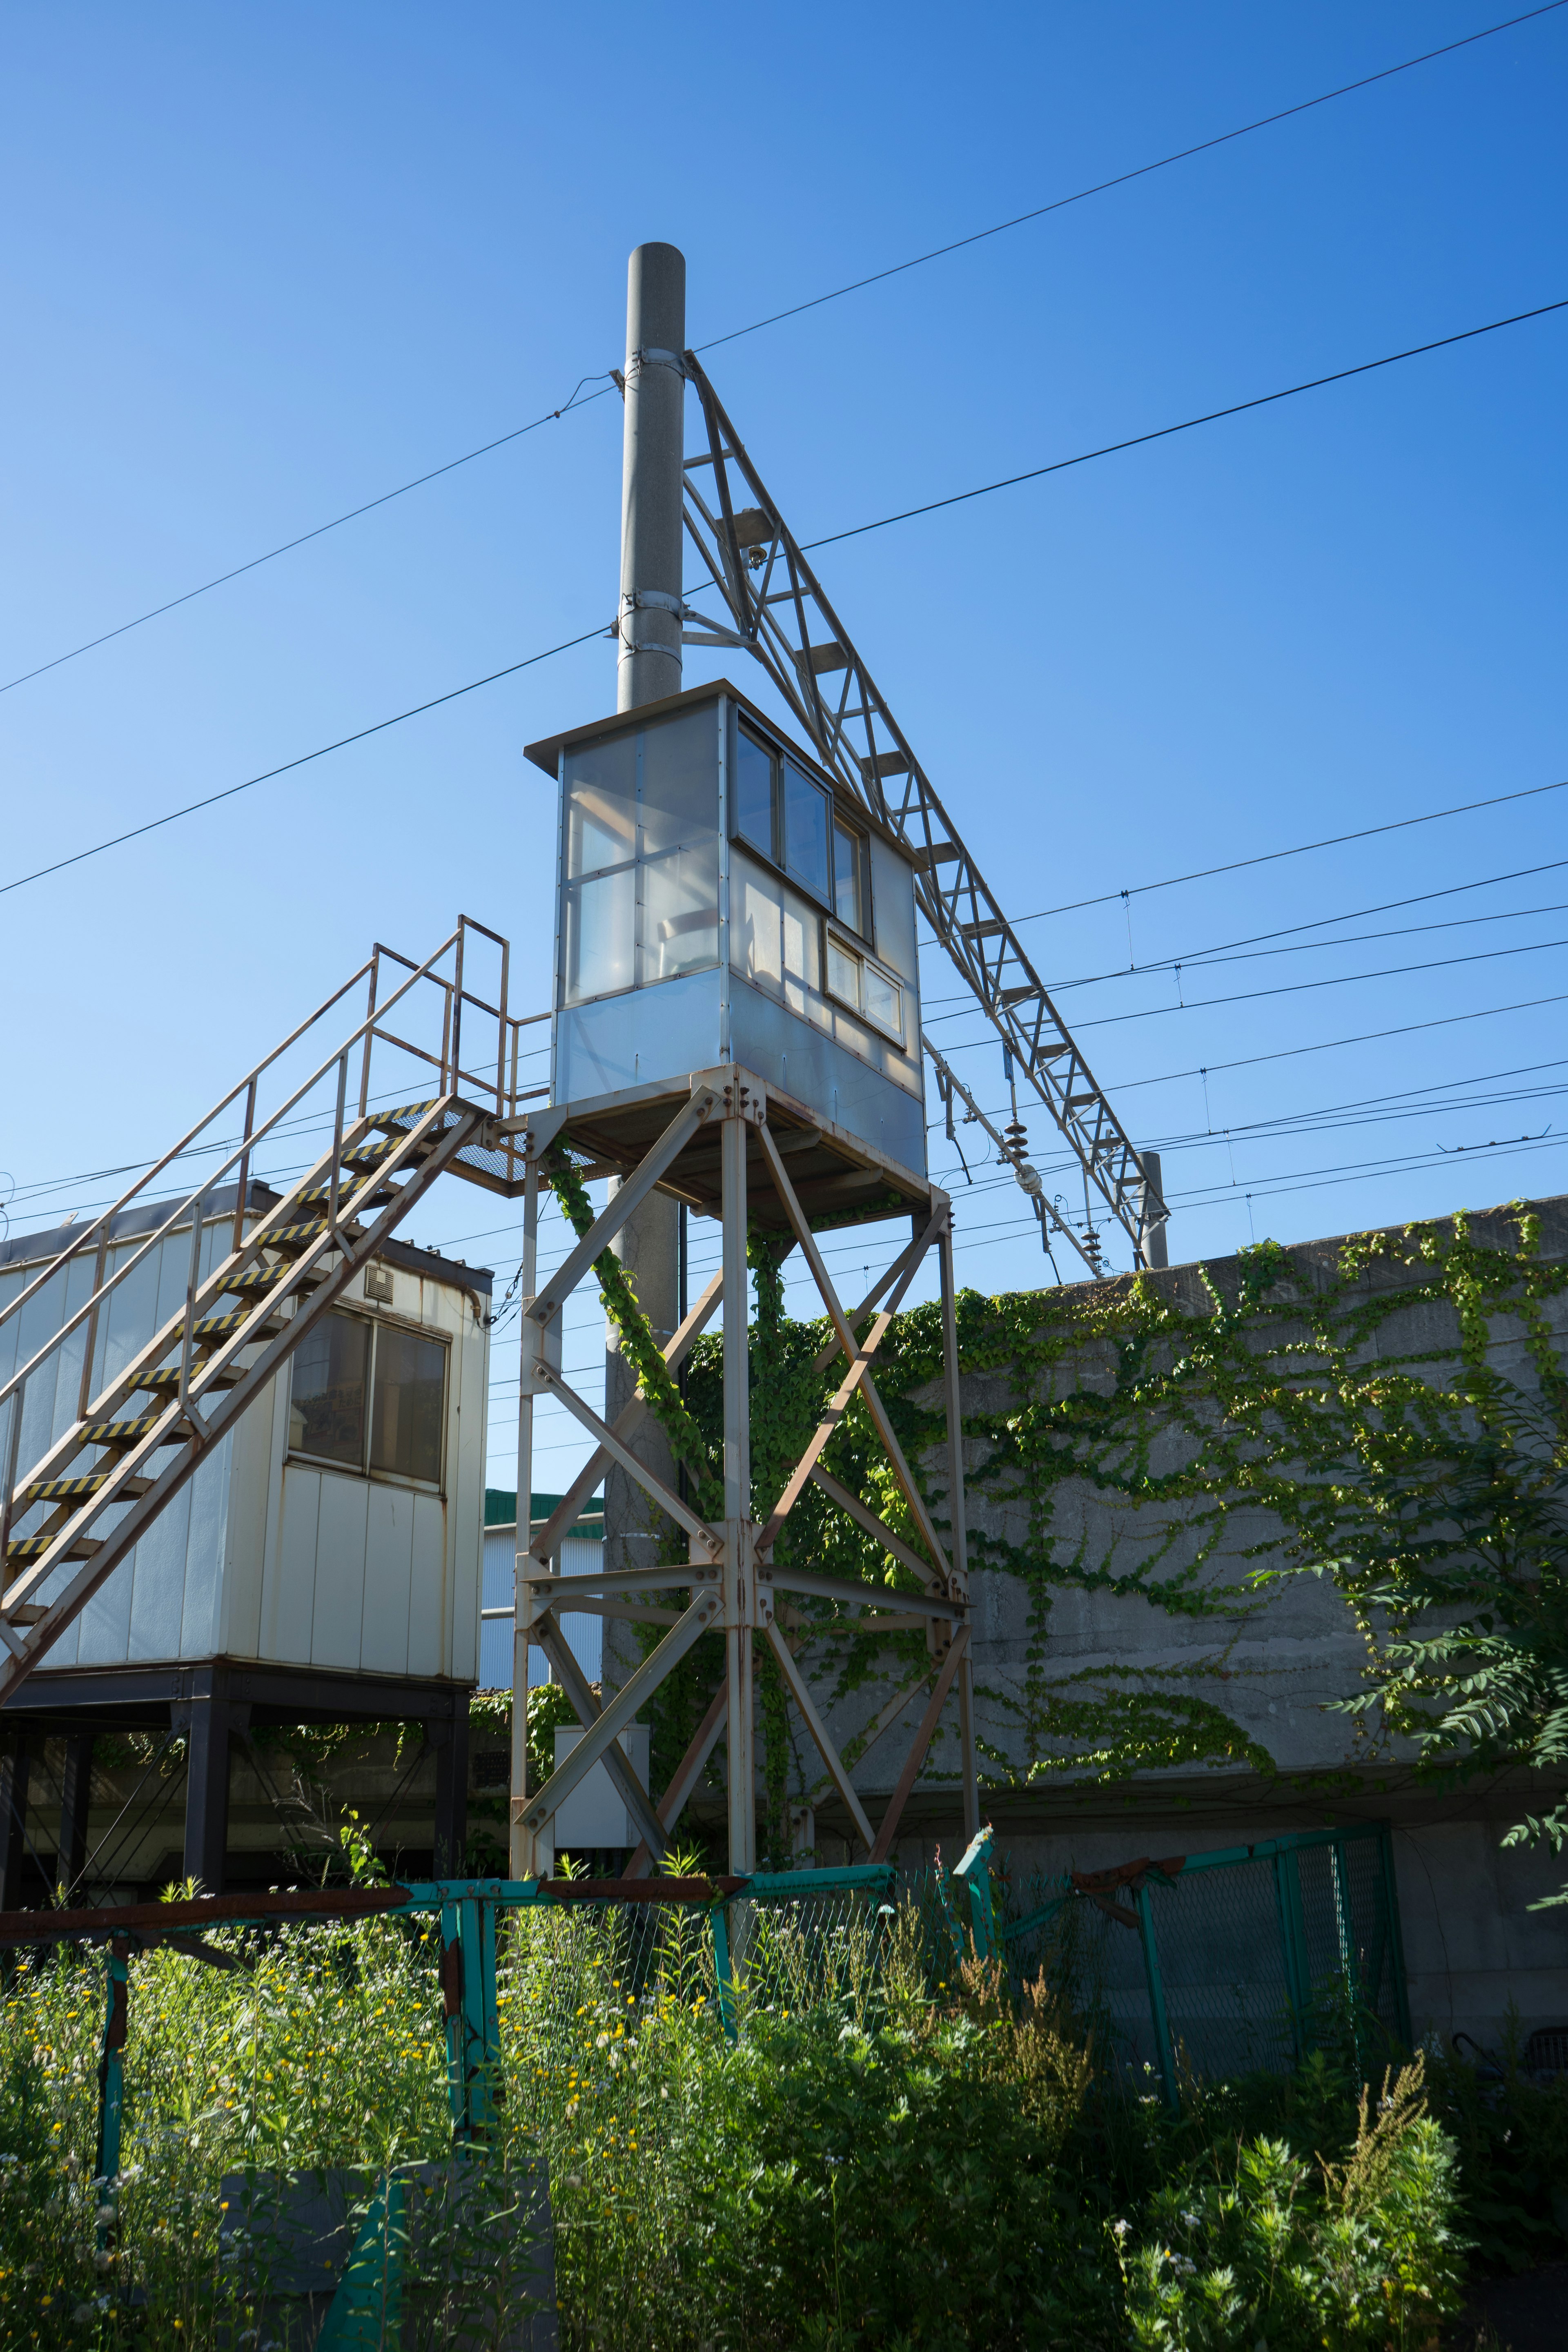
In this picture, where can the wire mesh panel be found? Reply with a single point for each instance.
(818, 1946)
(1350, 1937)
(570, 1965)
(1223, 1964)
(1094, 1959)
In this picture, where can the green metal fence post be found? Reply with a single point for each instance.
(1396, 1939)
(468, 1999)
(1293, 1941)
(112, 2077)
(1163, 2052)
(974, 1874)
(720, 1915)
(452, 2013)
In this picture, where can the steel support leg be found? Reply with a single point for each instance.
(522, 1863)
(206, 1791)
(958, 1539)
(739, 1571)
(14, 1770)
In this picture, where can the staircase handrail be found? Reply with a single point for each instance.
(101, 1228)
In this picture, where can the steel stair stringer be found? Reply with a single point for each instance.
(214, 1392)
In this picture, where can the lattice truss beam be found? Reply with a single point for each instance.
(776, 610)
(732, 1581)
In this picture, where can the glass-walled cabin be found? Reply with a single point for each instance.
(720, 898)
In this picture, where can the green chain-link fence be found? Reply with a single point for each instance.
(1220, 1963)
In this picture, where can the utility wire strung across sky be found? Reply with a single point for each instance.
(379, 726)
(796, 310)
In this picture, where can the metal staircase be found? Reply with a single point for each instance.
(70, 1516)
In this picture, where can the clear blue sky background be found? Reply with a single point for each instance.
(263, 263)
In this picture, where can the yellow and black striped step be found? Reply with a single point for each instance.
(124, 1432)
(211, 1329)
(316, 1194)
(66, 1490)
(77, 1490)
(165, 1381)
(366, 1156)
(23, 1550)
(294, 1238)
(254, 1282)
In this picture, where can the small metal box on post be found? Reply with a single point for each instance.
(736, 1028)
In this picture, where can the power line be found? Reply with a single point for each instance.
(1205, 959)
(303, 761)
(937, 253)
(1288, 930)
(1299, 987)
(1288, 988)
(321, 529)
(1187, 424)
(1331, 1044)
(1101, 187)
(1268, 856)
(1212, 959)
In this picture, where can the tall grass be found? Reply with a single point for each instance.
(877, 2153)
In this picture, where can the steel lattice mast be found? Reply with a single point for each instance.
(778, 611)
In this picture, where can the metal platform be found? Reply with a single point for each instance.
(838, 1179)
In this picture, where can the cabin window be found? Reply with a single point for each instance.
(861, 983)
(641, 898)
(370, 1397)
(789, 817)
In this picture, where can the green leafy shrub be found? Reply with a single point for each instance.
(1259, 2246)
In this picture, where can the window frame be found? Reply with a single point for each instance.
(775, 856)
(841, 940)
(375, 1324)
(639, 861)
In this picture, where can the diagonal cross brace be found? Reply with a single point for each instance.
(799, 1691)
(625, 1426)
(922, 1740)
(613, 1719)
(631, 1195)
(873, 1402)
(665, 1496)
(617, 1763)
(687, 1772)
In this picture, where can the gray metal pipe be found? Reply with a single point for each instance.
(649, 653)
(1155, 1252)
(647, 667)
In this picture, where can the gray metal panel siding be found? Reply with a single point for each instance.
(792, 1054)
(642, 1035)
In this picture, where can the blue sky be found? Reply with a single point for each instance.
(265, 264)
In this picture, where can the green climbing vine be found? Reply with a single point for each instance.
(1190, 1441)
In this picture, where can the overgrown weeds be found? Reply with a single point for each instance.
(875, 2154)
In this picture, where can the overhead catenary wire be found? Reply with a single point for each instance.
(1300, 849)
(1320, 1045)
(1294, 987)
(858, 531)
(1247, 951)
(267, 775)
(320, 531)
(836, 294)
(1122, 179)
(1186, 425)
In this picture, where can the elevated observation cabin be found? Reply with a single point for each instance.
(722, 900)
